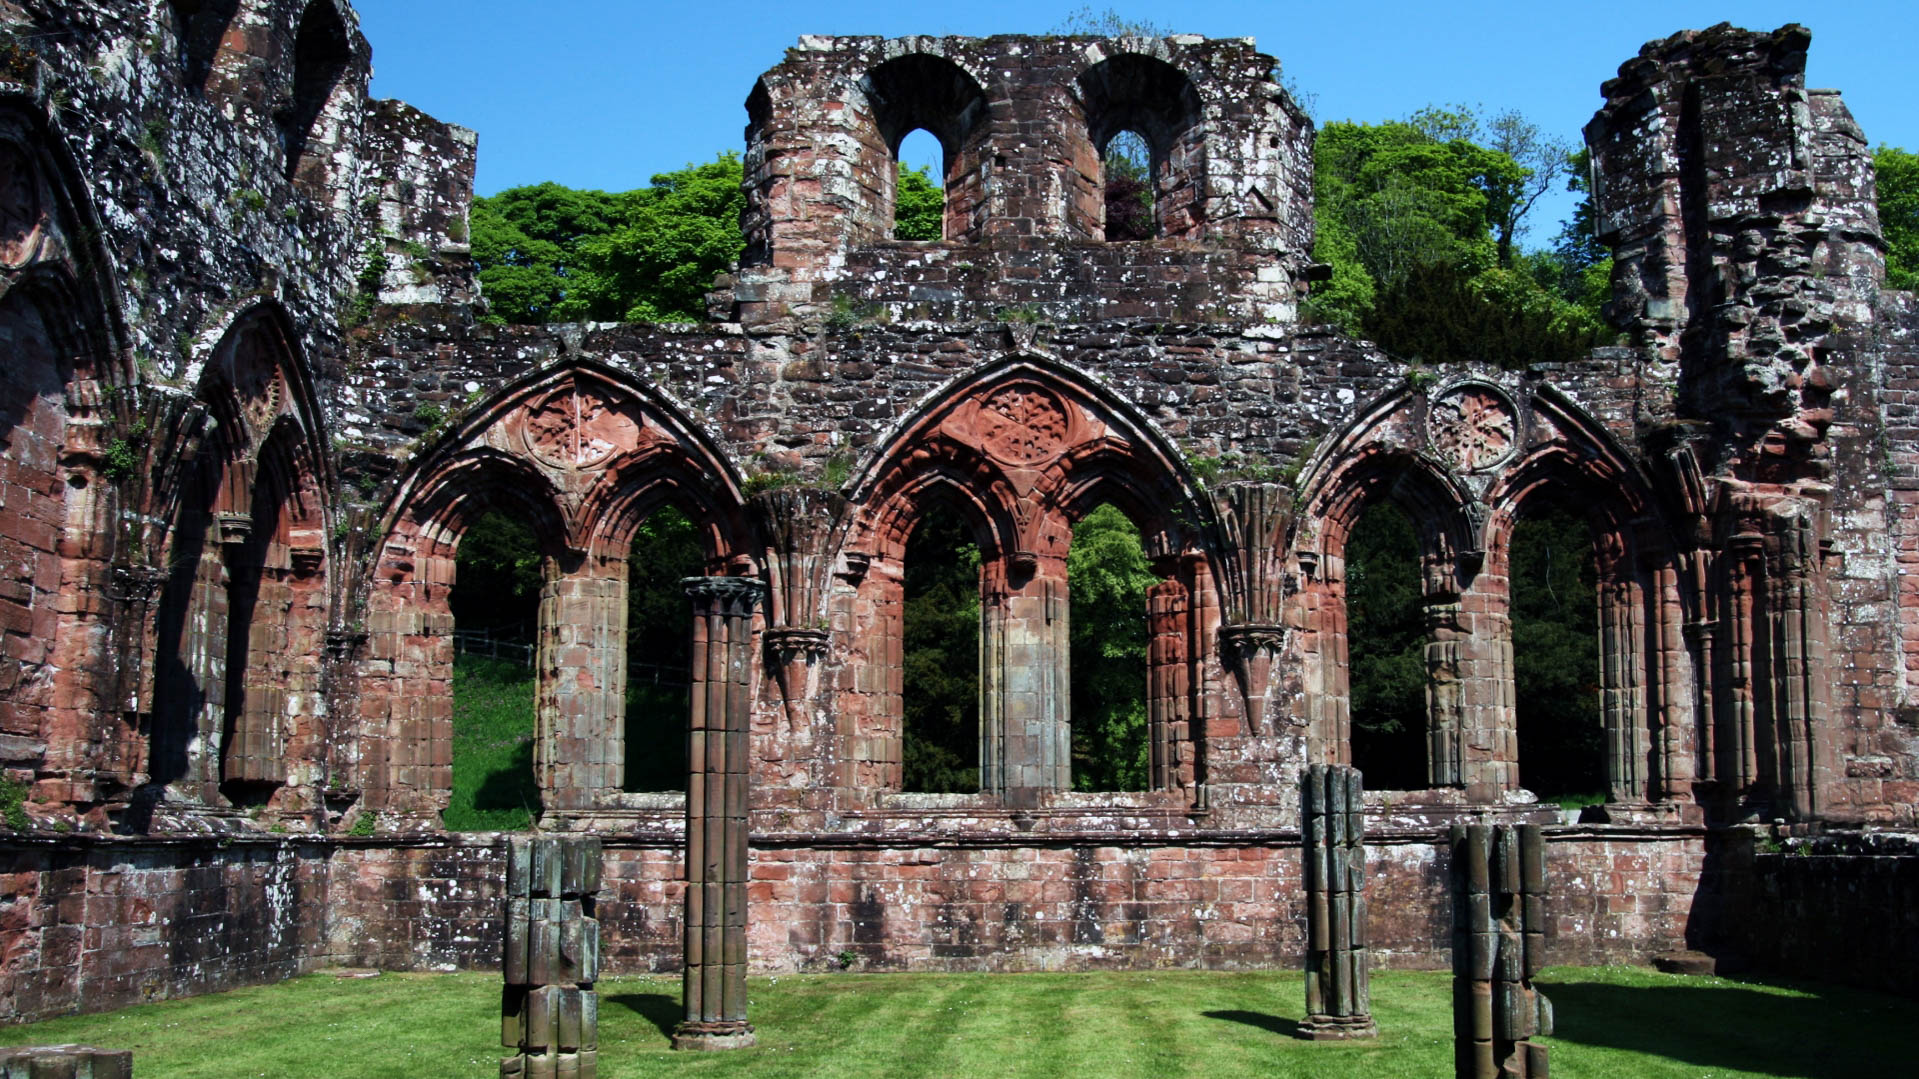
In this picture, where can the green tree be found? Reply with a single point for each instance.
(548, 253)
(940, 656)
(1555, 627)
(1409, 218)
(526, 243)
(1386, 649)
(666, 549)
(1107, 577)
(498, 576)
(919, 206)
(1897, 172)
(669, 241)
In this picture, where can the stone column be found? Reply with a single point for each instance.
(580, 754)
(550, 1012)
(1621, 697)
(1169, 683)
(1338, 965)
(716, 838)
(1738, 748)
(1499, 943)
(1798, 633)
(1445, 690)
(1025, 682)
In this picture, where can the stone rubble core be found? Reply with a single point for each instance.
(251, 406)
(549, 1010)
(1499, 943)
(1332, 811)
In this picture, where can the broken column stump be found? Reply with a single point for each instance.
(65, 1062)
(1338, 966)
(1499, 943)
(549, 1011)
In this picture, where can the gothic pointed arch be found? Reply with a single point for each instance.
(1571, 461)
(1023, 446)
(1382, 455)
(584, 453)
(243, 604)
(64, 367)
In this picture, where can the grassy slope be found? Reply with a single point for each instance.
(492, 746)
(1613, 1022)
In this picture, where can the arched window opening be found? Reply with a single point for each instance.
(930, 94)
(940, 691)
(321, 54)
(666, 549)
(1562, 737)
(198, 28)
(495, 603)
(1127, 172)
(919, 200)
(1386, 639)
(1107, 578)
(1144, 117)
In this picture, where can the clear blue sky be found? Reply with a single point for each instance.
(604, 93)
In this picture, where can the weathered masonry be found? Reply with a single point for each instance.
(235, 293)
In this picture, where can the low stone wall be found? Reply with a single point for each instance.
(1838, 908)
(995, 902)
(95, 924)
(90, 924)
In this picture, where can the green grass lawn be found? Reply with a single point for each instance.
(493, 786)
(1612, 1023)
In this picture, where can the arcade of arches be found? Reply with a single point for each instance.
(1003, 583)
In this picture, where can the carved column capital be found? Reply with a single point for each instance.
(726, 595)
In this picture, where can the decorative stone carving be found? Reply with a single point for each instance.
(576, 429)
(1332, 815)
(1499, 943)
(1022, 425)
(1473, 427)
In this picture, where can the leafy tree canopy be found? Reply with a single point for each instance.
(1418, 222)
(548, 253)
(1107, 576)
(1898, 175)
(919, 206)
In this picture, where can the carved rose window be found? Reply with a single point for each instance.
(1022, 425)
(1473, 428)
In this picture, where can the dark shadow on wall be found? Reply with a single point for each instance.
(1771, 1028)
(662, 1011)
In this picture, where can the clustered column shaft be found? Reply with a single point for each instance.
(549, 1011)
(716, 786)
(1499, 943)
(1338, 967)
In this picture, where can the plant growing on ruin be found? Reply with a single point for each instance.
(124, 453)
(13, 799)
(363, 825)
(837, 470)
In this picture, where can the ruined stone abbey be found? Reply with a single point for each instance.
(249, 407)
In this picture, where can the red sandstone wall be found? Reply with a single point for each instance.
(1620, 896)
(90, 926)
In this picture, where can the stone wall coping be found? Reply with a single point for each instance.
(980, 838)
